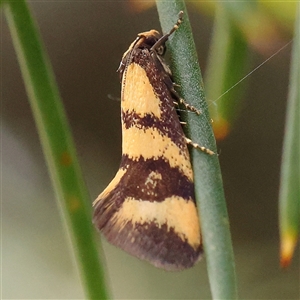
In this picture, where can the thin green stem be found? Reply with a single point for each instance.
(57, 144)
(289, 196)
(207, 175)
(228, 57)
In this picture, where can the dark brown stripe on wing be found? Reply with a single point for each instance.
(172, 182)
(158, 245)
(167, 125)
(134, 184)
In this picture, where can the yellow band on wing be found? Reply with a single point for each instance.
(136, 90)
(152, 144)
(175, 212)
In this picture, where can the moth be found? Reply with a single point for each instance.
(149, 207)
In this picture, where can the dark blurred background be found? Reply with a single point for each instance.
(85, 42)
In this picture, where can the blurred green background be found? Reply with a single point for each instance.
(85, 42)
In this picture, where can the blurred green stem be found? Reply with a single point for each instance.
(228, 57)
(289, 196)
(207, 174)
(57, 144)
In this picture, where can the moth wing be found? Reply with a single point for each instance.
(145, 212)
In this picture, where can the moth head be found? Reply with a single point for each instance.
(145, 40)
(149, 41)
(154, 42)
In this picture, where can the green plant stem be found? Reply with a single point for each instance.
(228, 57)
(289, 196)
(207, 175)
(57, 144)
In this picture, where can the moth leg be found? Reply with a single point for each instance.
(182, 101)
(189, 107)
(175, 85)
(205, 150)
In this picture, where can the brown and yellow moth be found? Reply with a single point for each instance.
(149, 208)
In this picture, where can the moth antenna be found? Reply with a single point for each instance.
(165, 37)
